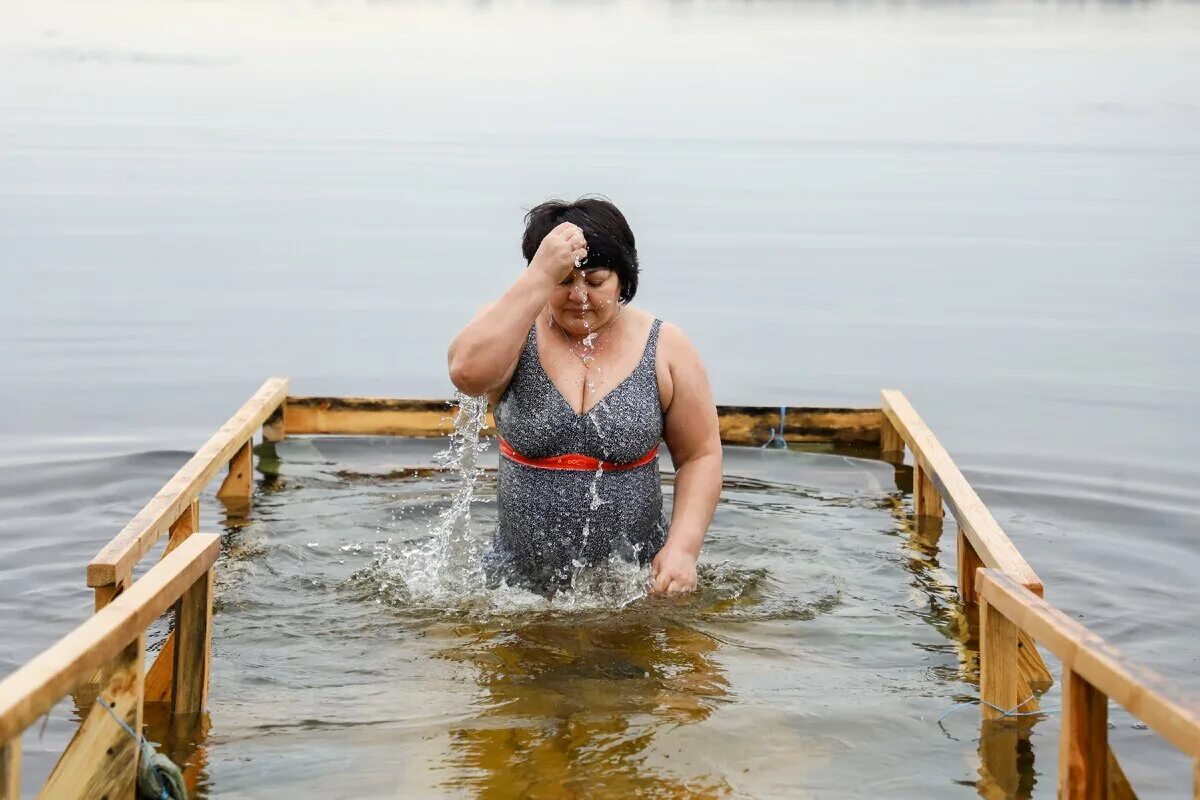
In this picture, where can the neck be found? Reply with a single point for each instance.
(590, 332)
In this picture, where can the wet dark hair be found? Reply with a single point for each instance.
(610, 241)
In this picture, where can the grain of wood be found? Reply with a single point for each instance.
(991, 543)
(10, 769)
(101, 760)
(968, 562)
(193, 647)
(1145, 694)
(1083, 741)
(998, 674)
(239, 482)
(33, 689)
(143, 531)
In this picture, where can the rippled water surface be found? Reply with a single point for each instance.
(992, 206)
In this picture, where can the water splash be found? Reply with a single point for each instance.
(449, 563)
(444, 570)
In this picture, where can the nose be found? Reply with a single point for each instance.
(578, 294)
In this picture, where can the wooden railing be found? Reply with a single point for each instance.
(1093, 671)
(1012, 667)
(102, 758)
(739, 425)
(176, 509)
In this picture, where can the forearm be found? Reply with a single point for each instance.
(697, 489)
(482, 352)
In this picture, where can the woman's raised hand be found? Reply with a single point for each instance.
(560, 250)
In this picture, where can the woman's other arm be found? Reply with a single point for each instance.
(692, 436)
(483, 355)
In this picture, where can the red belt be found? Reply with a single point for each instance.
(576, 461)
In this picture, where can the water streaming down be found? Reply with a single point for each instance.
(446, 569)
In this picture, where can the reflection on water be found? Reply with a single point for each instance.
(570, 707)
(816, 643)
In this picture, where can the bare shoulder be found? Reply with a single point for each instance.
(679, 363)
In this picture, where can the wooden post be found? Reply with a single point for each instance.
(891, 444)
(1083, 741)
(273, 429)
(926, 500)
(101, 761)
(108, 592)
(998, 674)
(10, 769)
(160, 676)
(239, 483)
(193, 647)
(968, 562)
(183, 527)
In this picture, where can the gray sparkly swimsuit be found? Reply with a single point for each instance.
(553, 521)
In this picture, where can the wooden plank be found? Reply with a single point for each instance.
(992, 545)
(101, 760)
(239, 483)
(752, 425)
(161, 675)
(136, 538)
(998, 676)
(926, 500)
(891, 443)
(372, 416)
(1142, 692)
(183, 527)
(274, 428)
(739, 425)
(1083, 741)
(33, 689)
(193, 647)
(10, 769)
(968, 562)
(106, 593)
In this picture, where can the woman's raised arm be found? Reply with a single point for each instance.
(483, 355)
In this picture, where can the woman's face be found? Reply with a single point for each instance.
(585, 300)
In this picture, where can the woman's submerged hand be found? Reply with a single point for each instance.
(673, 571)
(559, 251)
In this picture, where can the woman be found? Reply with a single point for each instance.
(583, 387)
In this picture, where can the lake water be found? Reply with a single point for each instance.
(994, 207)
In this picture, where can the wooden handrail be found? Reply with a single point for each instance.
(35, 688)
(742, 425)
(1142, 692)
(988, 539)
(118, 557)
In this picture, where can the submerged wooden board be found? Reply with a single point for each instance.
(1143, 693)
(740, 425)
(34, 688)
(991, 543)
(135, 539)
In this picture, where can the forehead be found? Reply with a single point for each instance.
(595, 273)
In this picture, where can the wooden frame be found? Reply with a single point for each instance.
(740, 425)
(1093, 672)
(992, 575)
(101, 760)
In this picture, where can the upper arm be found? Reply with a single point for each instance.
(690, 426)
(497, 389)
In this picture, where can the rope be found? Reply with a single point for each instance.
(777, 440)
(1012, 712)
(158, 777)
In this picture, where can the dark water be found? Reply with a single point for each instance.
(991, 206)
